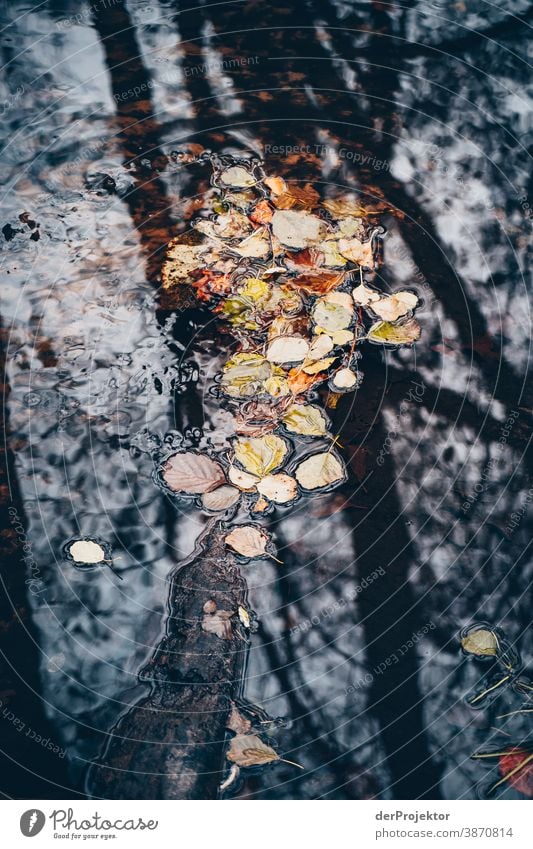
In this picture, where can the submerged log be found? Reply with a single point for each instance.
(170, 744)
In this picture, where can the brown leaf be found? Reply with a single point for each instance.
(247, 540)
(192, 473)
(218, 623)
(237, 722)
(318, 284)
(249, 750)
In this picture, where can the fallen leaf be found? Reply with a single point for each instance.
(343, 207)
(86, 551)
(342, 337)
(180, 262)
(356, 251)
(277, 185)
(299, 382)
(395, 334)
(244, 374)
(241, 479)
(320, 346)
(394, 306)
(256, 246)
(227, 225)
(244, 616)
(305, 197)
(482, 643)
(280, 488)
(218, 623)
(260, 455)
(277, 386)
(237, 177)
(344, 379)
(319, 365)
(296, 229)
(331, 316)
(320, 470)
(306, 420)
(249, 750)
(237, 722)
(260, 505)
(287, 349)
(221, 499)
(318, 284)
(262, 213)
(192, 473)
(332, 258)
(247, 541)
(364, 295)
(517, 768)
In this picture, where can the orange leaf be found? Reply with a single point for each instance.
(522, 780)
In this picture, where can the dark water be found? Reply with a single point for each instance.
(105, 111)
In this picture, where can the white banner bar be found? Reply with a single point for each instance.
(310, 825)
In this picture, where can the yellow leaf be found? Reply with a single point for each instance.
(483, 643)
(261, 455)
(305, 419)
(319, 365)
(395, 334)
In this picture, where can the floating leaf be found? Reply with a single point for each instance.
(221, 499)
(342, 337)
(277, 185)
(356, 251)
(287, 349)
(228, 225)
(320, 470)
(483, 643)
(305, 197)
(192, 473)
(395, 334)
(244, 616)
(351, 226)
(243, 375)
(280, 488)
(300, 382)
(237, 177)
(516, 767)
(241, 479)
(87, 551)
(318, 284)
(262, 213)
(277, 386)
(364, 295)
(343, 207)
(344, 379)
(247, 540)
(249, 750)
(319, 365)
(237, 721)
(332, 257)
(306, 420)
(394, 306)
(256, 246)
(181, 260)
(260, 505)
(218, 623)
(331, 316)
(261, 455)
(296, 229)
(320, 346)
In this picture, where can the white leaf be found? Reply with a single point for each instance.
(279, 488)
(320, 470)
(296, 229)
(221, 499)
(86, 551)
(287, 349)
(247, 540)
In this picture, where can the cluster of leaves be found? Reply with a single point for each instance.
(285, 270)
(484, 643)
